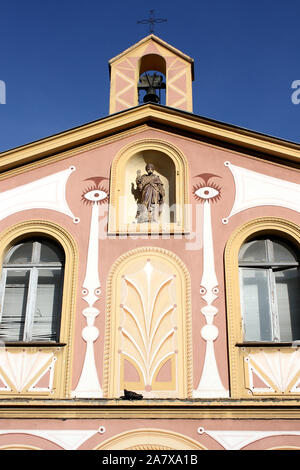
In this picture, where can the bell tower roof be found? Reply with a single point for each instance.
(151, 53)
(156, 39)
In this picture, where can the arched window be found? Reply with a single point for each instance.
(31, 291)
(270, 290)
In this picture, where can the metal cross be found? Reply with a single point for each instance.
(151, 21)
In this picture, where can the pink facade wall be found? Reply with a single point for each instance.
(214, 434)
(202, 159)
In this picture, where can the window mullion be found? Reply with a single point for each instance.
(243, 324)
(2, 291)
(36, 255)
(30, 309)
(274, 307)
(270, 251)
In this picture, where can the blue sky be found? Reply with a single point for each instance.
(54, 61)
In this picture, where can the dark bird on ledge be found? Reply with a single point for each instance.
(128, 395)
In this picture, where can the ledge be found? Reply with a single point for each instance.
(267, 344)
(28, 344)
(148, 409)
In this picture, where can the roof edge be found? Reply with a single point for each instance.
(125, 120)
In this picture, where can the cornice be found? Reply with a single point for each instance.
(170, 118)
(117, 409)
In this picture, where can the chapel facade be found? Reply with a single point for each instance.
(150, 276)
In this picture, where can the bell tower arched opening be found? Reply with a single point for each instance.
(152, 79)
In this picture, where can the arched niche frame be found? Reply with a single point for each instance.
(172, 168)
(62, 352)
(148, 326)
(240, 353)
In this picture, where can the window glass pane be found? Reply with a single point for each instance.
(20, 254)
(255, 304)
(48, 304)
(254, 251)
(51, 253)
(288, 303)
(282, 252)
(14, 306)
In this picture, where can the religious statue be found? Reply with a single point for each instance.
(150, 195)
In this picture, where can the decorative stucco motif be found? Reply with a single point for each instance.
(45, 193)
(21, 372)
(253, 189)
(151, 341)
(210, 384)
(89, 385)
(237, 439)
(276, 371)
(148, 324)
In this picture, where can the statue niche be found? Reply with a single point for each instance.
(149, 195)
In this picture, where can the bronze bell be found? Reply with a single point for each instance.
(150, 83)
(151, 96)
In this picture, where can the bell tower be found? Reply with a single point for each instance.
(151, 71)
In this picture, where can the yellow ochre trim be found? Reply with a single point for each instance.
(151, 409)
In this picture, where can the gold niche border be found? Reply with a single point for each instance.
(62, 374)
(263, 225)
(110, 326)
(182, 224)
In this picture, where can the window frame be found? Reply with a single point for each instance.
(33, 269)
(270, 267)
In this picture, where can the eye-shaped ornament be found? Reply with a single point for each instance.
(95, 195)
(207, 192)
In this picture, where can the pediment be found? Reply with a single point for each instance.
(194, 126)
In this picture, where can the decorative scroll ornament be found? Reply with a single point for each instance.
(210, 384)
(256, 189)
(88, 385)
(44, 193)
